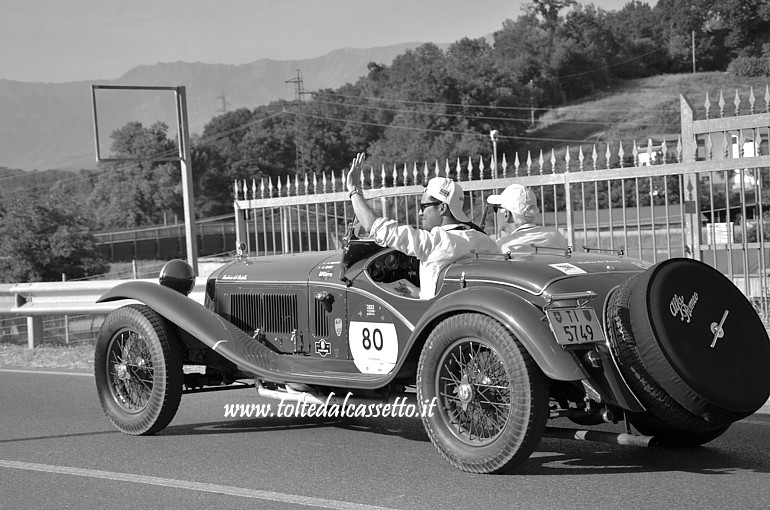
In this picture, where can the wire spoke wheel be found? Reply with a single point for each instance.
(474, 390)
(138, 370)
(491, 398)
(130, 368)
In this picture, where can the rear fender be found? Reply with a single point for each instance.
(522, 318)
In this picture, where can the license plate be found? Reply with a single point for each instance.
(575, 326)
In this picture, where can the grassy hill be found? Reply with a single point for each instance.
(642, 108)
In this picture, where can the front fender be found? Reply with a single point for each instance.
(521, 317)
(177, 308)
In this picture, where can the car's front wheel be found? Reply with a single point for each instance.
(138, 370)
(491, 399)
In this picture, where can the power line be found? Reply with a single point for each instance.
(525, 108)
(612, 65)
(461, 116)
(428, 130)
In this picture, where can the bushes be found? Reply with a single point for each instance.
(750, 67)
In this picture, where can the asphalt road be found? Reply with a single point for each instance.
(57, 450)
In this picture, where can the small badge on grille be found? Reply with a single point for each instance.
(338, 326)
(323, 348)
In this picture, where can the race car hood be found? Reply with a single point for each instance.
(533, 272)
(274, 268)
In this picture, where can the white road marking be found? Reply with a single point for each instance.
(280, 497)
(44, 372)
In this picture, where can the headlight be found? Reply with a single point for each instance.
(178, 275)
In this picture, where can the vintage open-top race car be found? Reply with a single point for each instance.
(673, 349)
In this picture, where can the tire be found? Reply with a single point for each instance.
(138, 370)
(491, 397)
(692, 349)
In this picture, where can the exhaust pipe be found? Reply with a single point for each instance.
(600, 437)
(299, 393)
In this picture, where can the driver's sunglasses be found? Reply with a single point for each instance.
(425, 205)
(496, 207)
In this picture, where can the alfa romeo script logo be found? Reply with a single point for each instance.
(684, 311)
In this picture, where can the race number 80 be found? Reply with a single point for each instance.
(373, 345)
(372, 338)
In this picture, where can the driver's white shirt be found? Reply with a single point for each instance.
(435, 249)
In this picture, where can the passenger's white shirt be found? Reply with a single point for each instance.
(523, 237)
(435, 249)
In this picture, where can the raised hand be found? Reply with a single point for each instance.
(354, 173)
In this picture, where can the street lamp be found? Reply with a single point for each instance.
(493, 135)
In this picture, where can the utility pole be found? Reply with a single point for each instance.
(299, 91)
(531, 104)
(693, 52)
(225, 104)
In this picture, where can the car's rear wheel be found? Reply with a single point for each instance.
(691, 347)
(138, 370)
(491, 398)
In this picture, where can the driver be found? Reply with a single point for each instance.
(516, 208)
(446, 234)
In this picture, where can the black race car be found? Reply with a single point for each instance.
(510, 341)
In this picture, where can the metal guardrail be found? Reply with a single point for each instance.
(34, 300)
(7, 300)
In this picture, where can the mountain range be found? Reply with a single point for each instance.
(51, 125)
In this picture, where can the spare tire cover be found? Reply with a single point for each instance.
(700, 339)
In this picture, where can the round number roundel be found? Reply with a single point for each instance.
(372, 339)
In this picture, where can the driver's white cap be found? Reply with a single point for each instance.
(449, 192)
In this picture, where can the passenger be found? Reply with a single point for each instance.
(516, 208)
(446, 234)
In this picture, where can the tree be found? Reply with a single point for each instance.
(640, 50)
(549, 10)
(679, 20)
(133, 194)
(43, 239)
(224, 134)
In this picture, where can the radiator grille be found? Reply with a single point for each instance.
(321, 319)
(276, 313)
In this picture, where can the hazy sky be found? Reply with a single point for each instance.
(68, 40)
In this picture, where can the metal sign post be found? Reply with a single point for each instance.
(183, 135)
(187, 189)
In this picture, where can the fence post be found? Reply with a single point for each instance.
(34, 330)
(691, 191)
(66, 318)
(568, 208)
(241, 229)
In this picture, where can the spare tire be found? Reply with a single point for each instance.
(690, 345)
